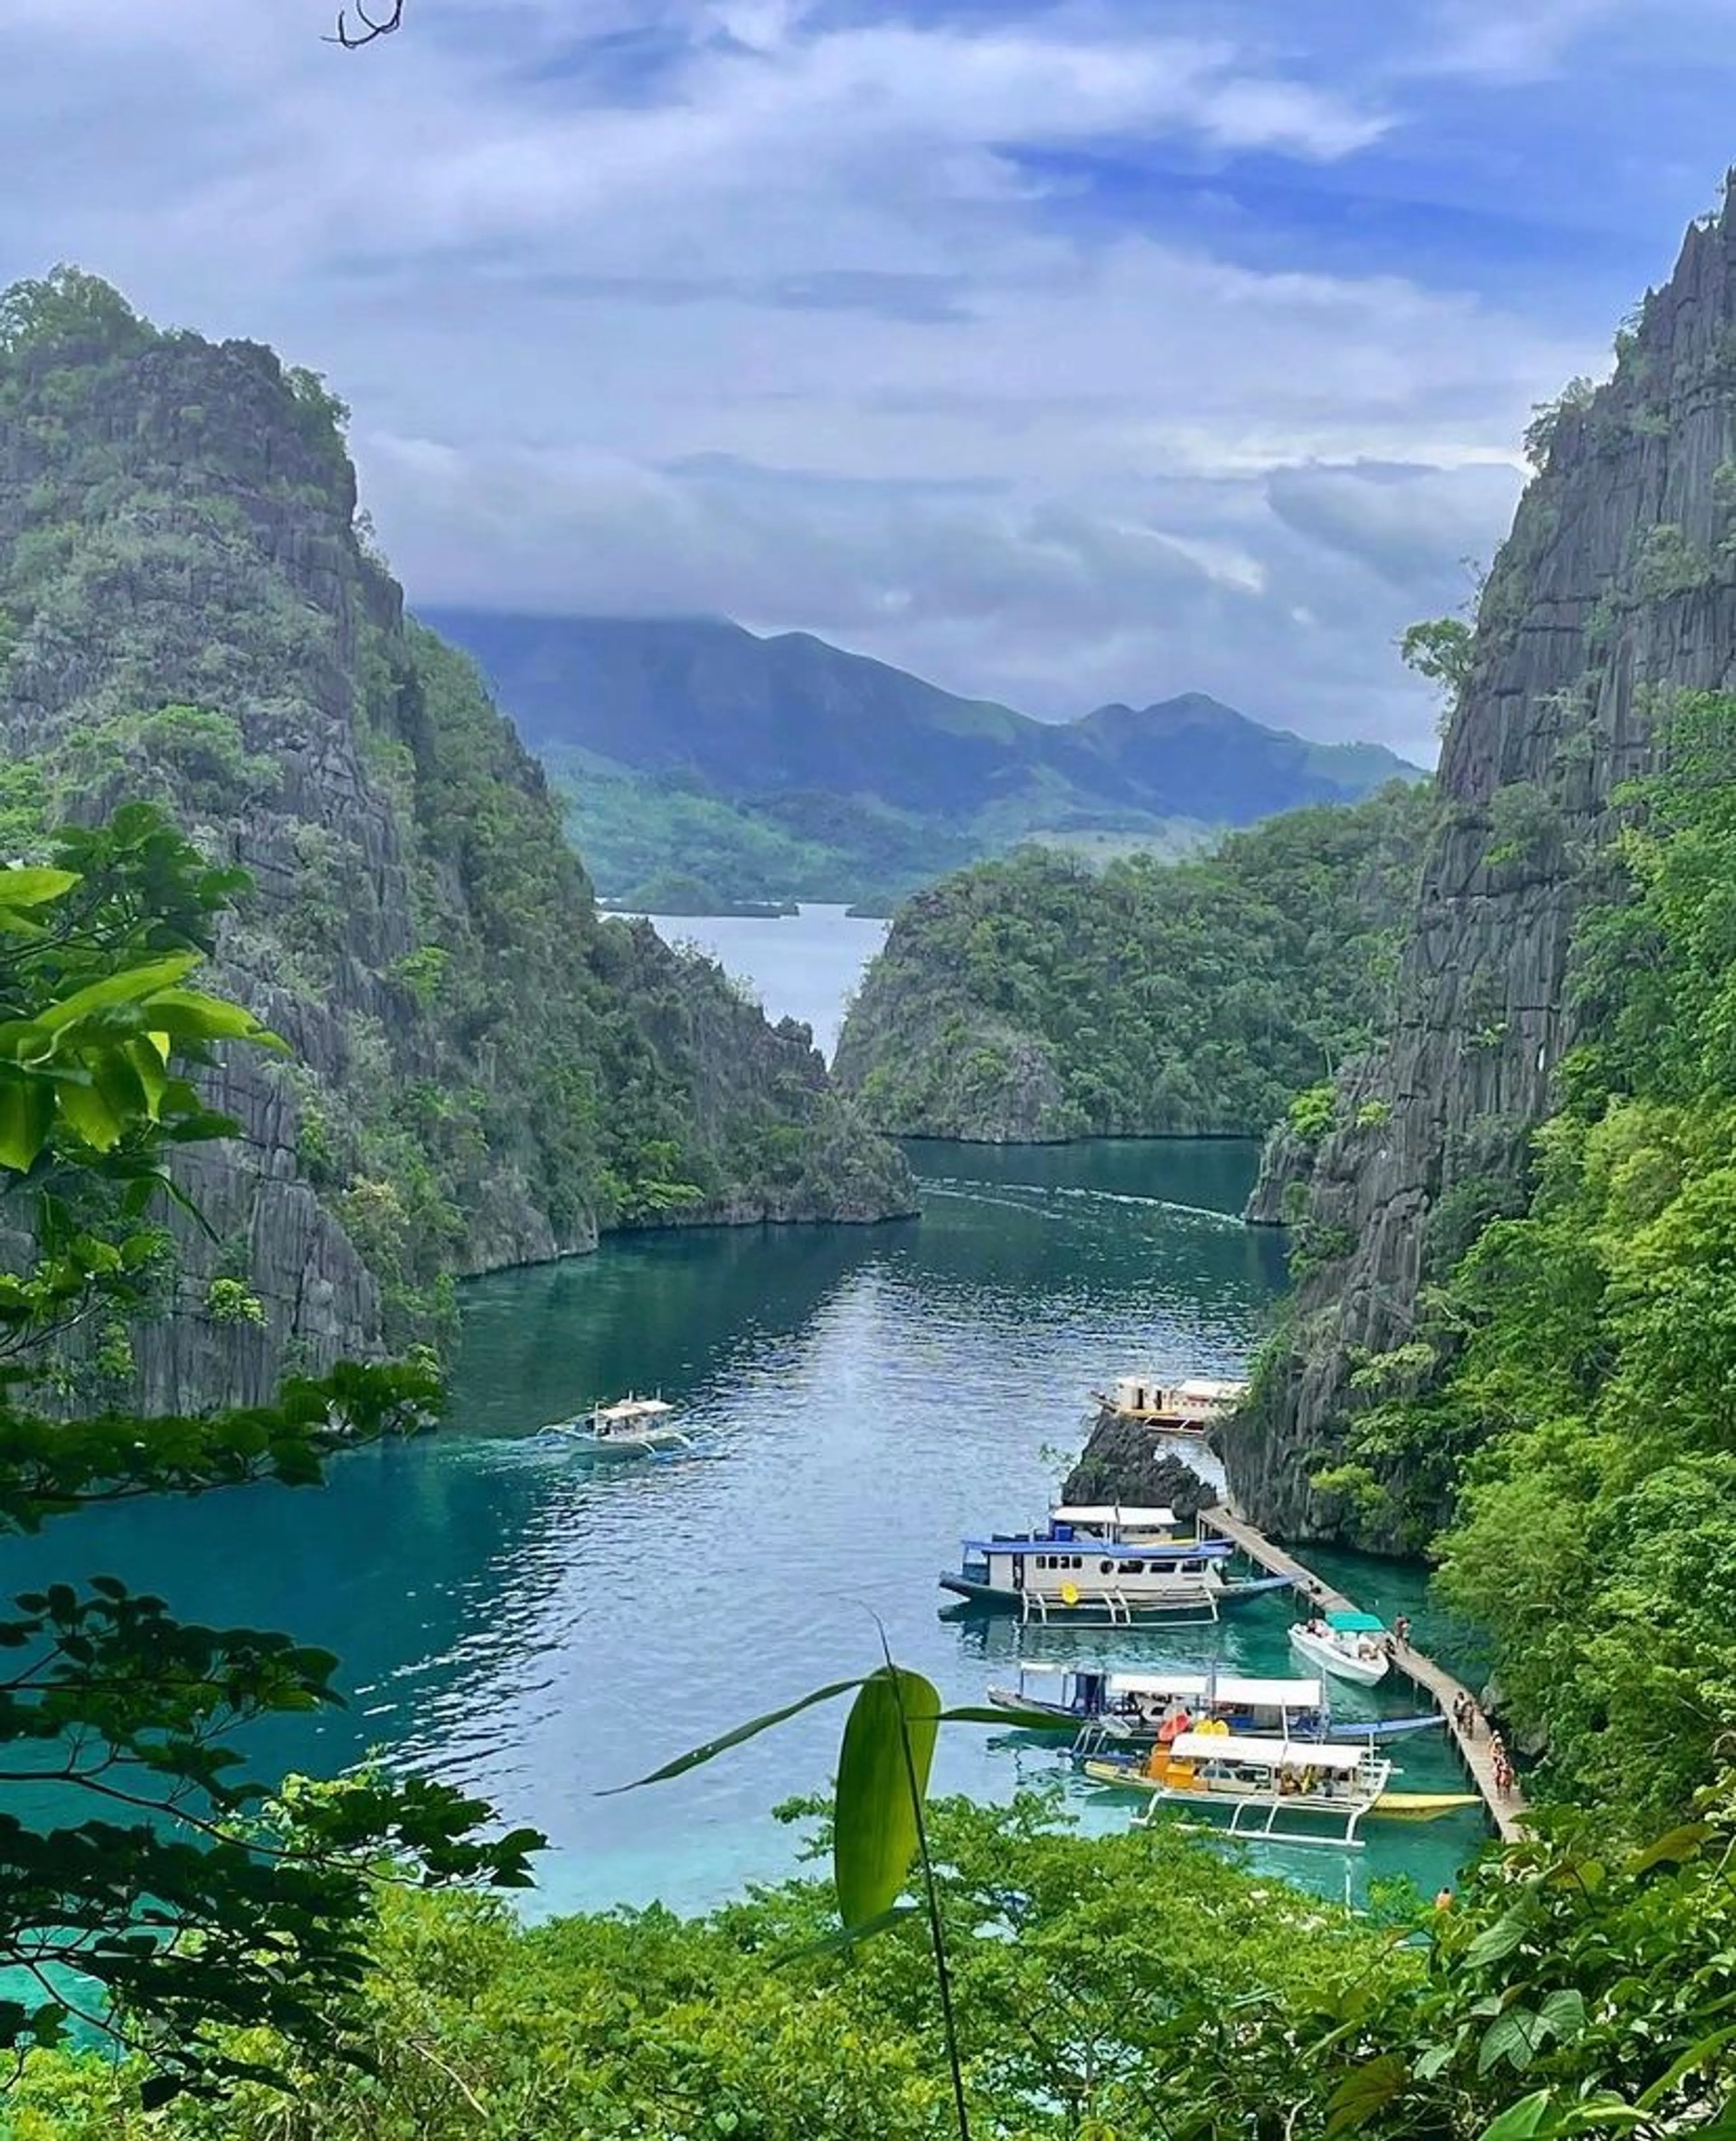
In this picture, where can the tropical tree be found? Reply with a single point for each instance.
(147, 1885)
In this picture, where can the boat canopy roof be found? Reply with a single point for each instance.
(1265, 1753)
(1159, 1552)
(1205, 1386)
(1267, 1693)
(1111, 1513)
(634, 1408)
(1159, 1683)
(1356, 1624)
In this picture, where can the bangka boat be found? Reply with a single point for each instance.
(1262, 1780)
(1131, 1707)
(1353, 1646)
(631, 1427)
(1308, 1786)
(1104, 1564)
(1190, 1408)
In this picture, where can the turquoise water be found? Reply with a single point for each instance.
(541, 1630)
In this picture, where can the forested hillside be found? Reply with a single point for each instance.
(483, 1072)
(1033, 998)
(786, 768)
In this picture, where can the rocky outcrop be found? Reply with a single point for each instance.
(1287, 1165)
(1616, 586)
(482, 1070)
(1123, 1461)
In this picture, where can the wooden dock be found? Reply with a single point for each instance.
(1506, 1810)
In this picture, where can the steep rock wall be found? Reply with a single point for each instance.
(1617, 585)
(483, 1071)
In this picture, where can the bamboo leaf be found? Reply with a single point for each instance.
(697, 1755)
(875, 1828)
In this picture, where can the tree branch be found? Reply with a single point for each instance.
(353, 40)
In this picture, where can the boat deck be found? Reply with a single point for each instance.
(1506, 1810)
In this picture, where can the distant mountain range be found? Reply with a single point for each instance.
(783, 767)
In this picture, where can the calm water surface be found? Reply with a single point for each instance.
(540, 1631)
(802, 966)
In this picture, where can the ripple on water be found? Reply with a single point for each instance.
(540, 1629)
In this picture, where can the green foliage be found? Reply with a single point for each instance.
(1443, 649)
(1106, 1988)
(1310, 1113)
(1546, 418)
(1029, 998)
(1579, 1438)
(191, 615)
(1668, 563)
(158, 1893)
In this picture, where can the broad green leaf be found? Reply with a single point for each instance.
(90, 1114)
(1499, 1940)
(1364, 2091)
(188, 1015)
(883, 1774)
(132, 985)
(1563, 2013)
(1511, 2036)
(1520, 2121)
(34, 887)
(26, 1114)
(713, 1747)
(1671, 1849)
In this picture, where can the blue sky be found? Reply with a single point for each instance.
(1064, 352)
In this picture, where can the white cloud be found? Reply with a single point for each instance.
(746, 306)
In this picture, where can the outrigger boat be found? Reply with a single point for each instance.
(1353, 1646)
(1101, 1564)
(1191, 1408)
(631, 1427)
(1266, 1782)
(1138, 1708)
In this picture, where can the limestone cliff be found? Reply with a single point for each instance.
(484, 1070)
(1617, 585)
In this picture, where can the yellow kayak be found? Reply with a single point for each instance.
(1421, 1806)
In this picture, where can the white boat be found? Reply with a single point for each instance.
(631, 1427)
(1192, 1407)
(1317, 1791)
(1353, 1646)
(1104, 1564)
(1137, 1706)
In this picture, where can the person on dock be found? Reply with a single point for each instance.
(1401, 1629)
(1444, 1900)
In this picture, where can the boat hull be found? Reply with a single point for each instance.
(1342, 1665)
(1389, 1806)
(979, 1597)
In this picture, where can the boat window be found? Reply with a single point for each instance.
(1129, 1567)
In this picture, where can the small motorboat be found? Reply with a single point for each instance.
(1353, 1646)
(631, 1427)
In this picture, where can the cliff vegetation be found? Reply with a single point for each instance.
(1034, 998)
(484, 1072)
(1612, 602)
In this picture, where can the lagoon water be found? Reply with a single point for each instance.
(541, 1630)
(800, 965)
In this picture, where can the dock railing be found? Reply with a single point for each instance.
(1450, 1696)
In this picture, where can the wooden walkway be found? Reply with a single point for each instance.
(1507, 1812)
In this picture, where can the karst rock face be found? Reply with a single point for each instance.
(481, 1071)
(1617, 586)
